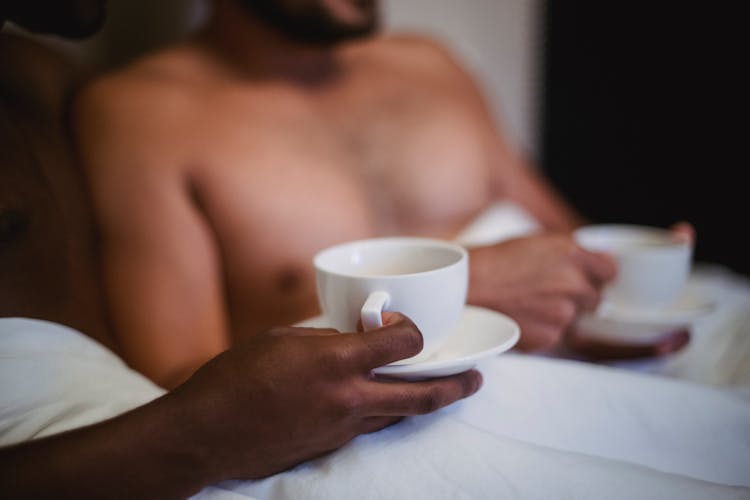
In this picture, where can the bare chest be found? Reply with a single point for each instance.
(279, 186)
(387, 167)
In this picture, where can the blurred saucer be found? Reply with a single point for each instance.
(692, 304)
(479, 333)
(617, 322)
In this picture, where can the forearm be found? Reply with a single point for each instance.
(517, 180)
(530, 190)
(149, 452)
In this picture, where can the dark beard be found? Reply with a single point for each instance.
(309, 23)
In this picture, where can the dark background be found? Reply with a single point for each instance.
(645, 117)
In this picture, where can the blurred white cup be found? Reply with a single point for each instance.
(653, 264)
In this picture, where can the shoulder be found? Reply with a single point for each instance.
(111, 123)
(128, 92)
(418, 44)
(135, 116)
(420, 61)
(416, 53)
(161, 81)
(423, 62)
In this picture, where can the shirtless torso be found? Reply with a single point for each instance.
(283, 172)
(215, 185)
(46, 231)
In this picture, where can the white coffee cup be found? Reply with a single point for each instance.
(425, 279)
(653, 264)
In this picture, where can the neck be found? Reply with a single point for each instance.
(253, 48)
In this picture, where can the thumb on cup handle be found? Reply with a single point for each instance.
(372, 310)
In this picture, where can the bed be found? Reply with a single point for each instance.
(541, 427)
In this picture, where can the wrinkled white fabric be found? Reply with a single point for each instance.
(539, 428)
(441, 457)
(719, 349)
(498, 222)
(544, 428)
(53, 378)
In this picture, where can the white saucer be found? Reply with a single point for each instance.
(637, 325)
(692, 304)
(480, 333)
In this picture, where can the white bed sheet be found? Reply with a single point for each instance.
(543, 428)
(438, 457)
(539, 428)
(719, 349)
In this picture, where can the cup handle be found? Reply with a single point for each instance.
(372, 311)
